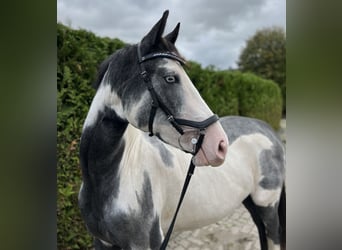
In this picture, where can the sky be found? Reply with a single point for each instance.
(212, 32)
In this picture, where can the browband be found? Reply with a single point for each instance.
(159, 54)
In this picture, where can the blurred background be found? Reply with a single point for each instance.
(28, 110)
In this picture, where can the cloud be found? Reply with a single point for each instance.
(212, 32)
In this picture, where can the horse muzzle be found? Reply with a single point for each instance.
(214, 147)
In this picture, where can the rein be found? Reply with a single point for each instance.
(175, 122)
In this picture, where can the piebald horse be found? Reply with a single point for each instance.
(132, 181)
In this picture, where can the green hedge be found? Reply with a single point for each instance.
(216, 88)
(259, 98)
(236, 93)
(79, 54)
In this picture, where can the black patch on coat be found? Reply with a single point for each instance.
(155, 236)
(272, 167)
(98, 245)
(136, 228)
(266, 220)
(164, 153)
(101, 150)
(269, 216)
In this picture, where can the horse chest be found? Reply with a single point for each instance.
(131, 213)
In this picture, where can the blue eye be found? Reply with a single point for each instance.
(170, 79)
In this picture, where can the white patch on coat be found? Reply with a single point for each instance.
(272, 246)
(105, 243)
(194, 107)
(104, 97)
(132, 167)
(213, 193)
(264, 197)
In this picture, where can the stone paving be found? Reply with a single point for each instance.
(235, 232)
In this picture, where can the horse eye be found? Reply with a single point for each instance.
(170, 79)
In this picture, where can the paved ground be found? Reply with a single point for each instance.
(236, 232)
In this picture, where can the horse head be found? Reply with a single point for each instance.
(154, 93)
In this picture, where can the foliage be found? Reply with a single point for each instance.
(216, 88)
(259, 98)
(79, 54)
(265, 55)
(236, 93)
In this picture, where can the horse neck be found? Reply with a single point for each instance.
(102, 143)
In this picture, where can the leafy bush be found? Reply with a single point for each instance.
(236, 93)
(216, 88)
(259, 98)
(79, 54)
(265, 56)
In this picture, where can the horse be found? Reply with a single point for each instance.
(141, 132)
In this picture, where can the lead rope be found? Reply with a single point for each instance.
(185, 187)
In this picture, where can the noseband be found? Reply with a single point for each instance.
(175, 122)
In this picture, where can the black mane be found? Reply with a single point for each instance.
(116, 63)
(101, 72)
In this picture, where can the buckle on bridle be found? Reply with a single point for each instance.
(145, 76)
(170, 118)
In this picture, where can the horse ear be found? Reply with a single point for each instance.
(155, 35)
(172, 36)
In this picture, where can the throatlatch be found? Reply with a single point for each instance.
(176, 123)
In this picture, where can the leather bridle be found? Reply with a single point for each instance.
(175, 122)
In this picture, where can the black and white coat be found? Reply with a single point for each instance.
(131, 182)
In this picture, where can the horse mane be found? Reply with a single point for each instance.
(102, 69)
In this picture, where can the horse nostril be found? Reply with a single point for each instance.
(222, 148)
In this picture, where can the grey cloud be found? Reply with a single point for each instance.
(212, 32)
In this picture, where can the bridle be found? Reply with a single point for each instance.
(175, 122)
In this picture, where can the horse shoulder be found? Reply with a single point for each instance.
(136, 207)
(147, 159)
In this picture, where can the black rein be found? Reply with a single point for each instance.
(175, 122)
